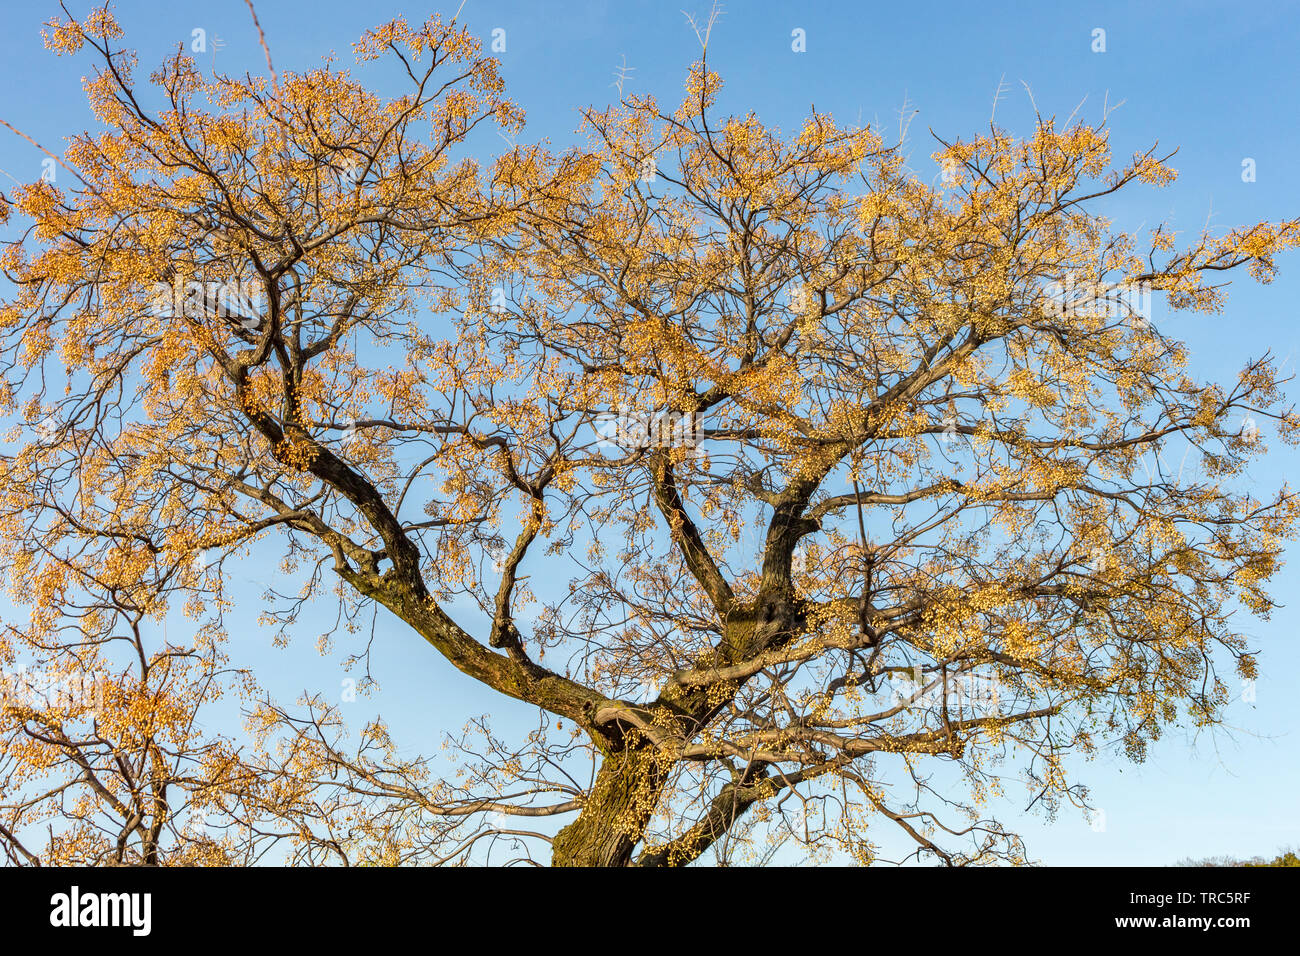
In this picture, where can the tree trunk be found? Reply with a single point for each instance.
(614, 817)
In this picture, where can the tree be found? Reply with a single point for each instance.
(1286, 858)
(836, 455)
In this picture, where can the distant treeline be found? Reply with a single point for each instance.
(1286, 858)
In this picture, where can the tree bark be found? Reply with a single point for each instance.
(614, 818)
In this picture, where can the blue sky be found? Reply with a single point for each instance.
(1217, 81)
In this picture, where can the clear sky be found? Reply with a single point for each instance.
(1216, 80)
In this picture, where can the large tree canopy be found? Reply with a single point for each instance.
(784, 480)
